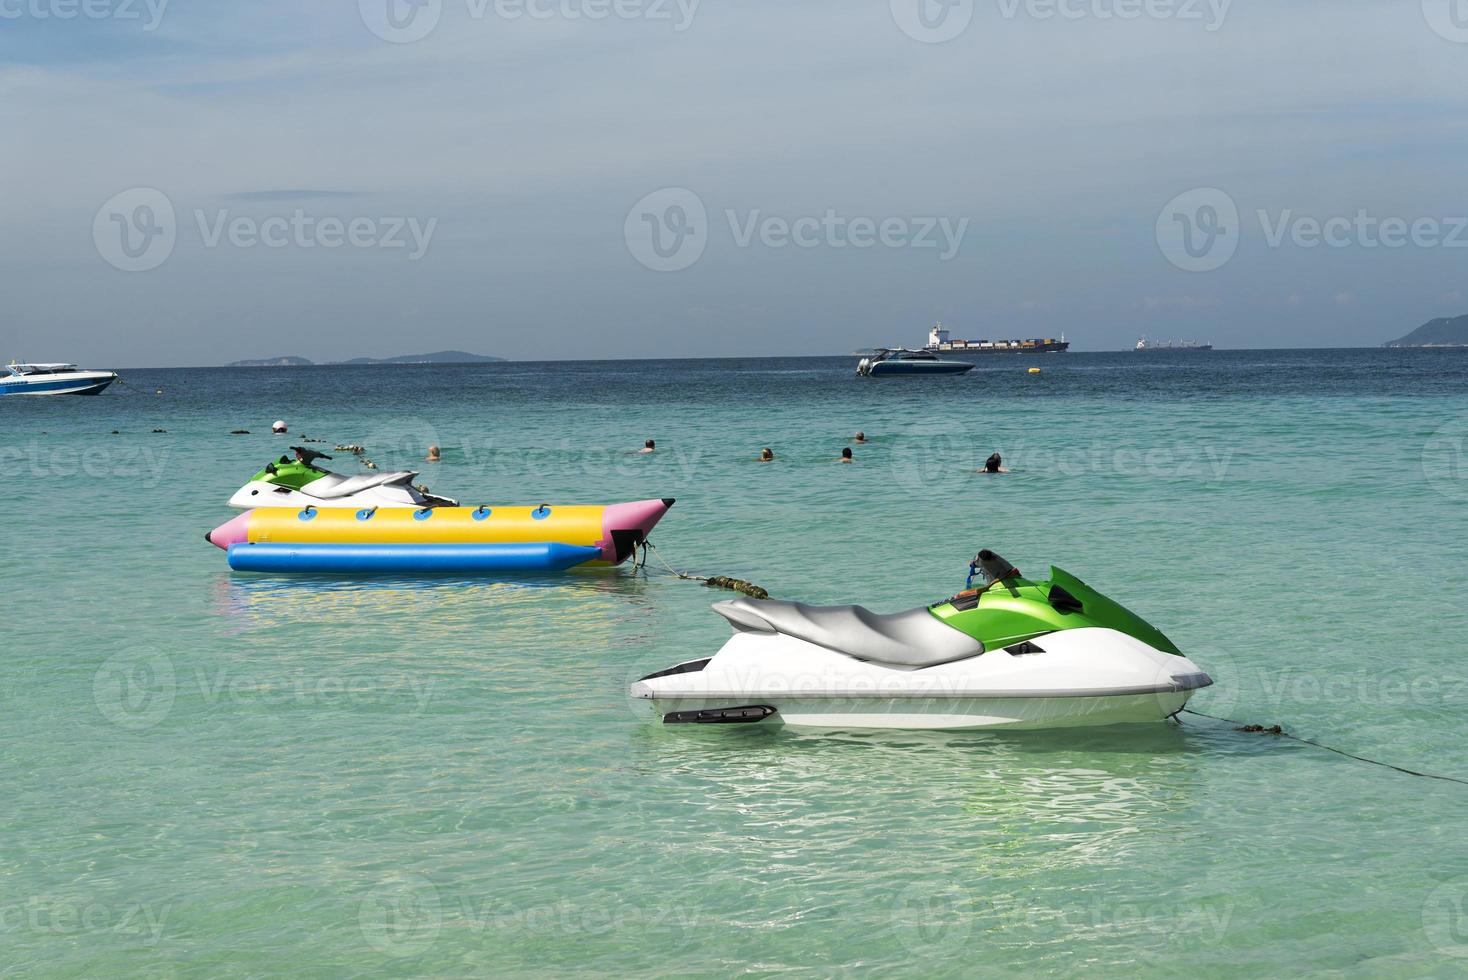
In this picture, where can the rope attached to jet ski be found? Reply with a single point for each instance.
(1280, 732)
(712, 581)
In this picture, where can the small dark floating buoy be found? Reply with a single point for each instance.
(1260, 729)
(736, 585)
(116, 433)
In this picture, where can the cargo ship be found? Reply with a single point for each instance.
(940, 341)
(1145, 344)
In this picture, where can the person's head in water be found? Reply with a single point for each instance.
(649, 446)
(993, 464)
(846, 454)
(433, 455)
(766, 454)
(861, 437)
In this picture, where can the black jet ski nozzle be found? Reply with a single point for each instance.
(993, 566)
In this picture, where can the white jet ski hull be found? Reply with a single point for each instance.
(1078, 678)
(258, 493)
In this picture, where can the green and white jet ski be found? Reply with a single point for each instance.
(300, 482)
(1014, 654)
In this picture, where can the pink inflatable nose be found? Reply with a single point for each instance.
(236, 531)
(625, 525)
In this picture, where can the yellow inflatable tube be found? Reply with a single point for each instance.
(441, 525)
(439, 537)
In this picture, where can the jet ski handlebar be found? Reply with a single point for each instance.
(992, 566)
(308, 456)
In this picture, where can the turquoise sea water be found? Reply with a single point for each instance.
(209, 773)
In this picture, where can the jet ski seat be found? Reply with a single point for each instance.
(354, 484)
(915, 638)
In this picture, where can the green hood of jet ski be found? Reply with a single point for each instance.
(287, 472)
(1015, 609)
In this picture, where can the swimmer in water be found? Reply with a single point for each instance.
(433, 455)
(648, 447)
(766, 454)
(860, 437)
(846, 455)
(994, 464)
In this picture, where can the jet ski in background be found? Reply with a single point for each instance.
(298, 482)
(1014, 654)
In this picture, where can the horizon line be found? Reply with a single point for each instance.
(703, 357)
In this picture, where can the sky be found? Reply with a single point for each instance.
(194, 182)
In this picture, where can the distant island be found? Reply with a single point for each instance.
(1442, 332)
(272, 362)
(437, 357)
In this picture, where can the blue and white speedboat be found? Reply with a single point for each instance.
(53, 379)
(900, 360)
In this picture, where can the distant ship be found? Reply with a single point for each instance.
(939, 341)
(1144, 344)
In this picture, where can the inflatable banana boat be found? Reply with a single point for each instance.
(457, 540)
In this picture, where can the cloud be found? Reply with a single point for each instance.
(529, 140)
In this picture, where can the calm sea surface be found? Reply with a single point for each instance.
(209, 773)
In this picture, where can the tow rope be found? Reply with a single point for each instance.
(711, 581)
(1276, 730)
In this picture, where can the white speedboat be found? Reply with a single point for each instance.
(53, 379)
(902, 361)
(1144, 344)
(300, 482)
(1015, 654)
